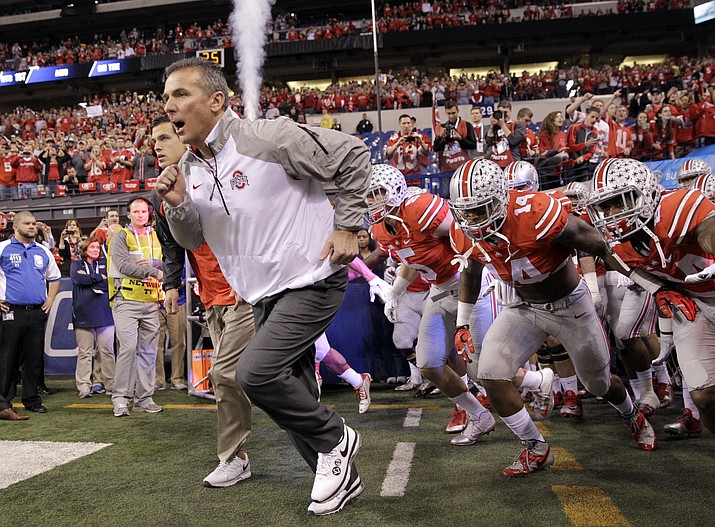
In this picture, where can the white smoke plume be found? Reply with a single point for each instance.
(248, 25)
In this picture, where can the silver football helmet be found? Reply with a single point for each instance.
(691, 169)
(478, 198)
(577, 192)
(624, 197)
(705, 184)
(387, 191)
(521, 176)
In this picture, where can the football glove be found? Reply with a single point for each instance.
(379, 288)
(665, 298)
(666, 347)
(391, 307)
(706, 274)
(463, 342)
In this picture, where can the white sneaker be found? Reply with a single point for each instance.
(363, 393)
(476, 428)
(151, 408)
(229, 473)
(337, 503)
(544, 397)
(121, 410)
(84, 393)
(333, 471)
(180, 386)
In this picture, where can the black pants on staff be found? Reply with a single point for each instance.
(23, 343)
(277, 368)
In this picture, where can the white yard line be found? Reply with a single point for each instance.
(398, 473)
(413, 417)
(25, 459)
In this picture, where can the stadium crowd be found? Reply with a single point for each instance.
(666, 111)
(408, 16)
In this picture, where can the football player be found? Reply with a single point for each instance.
(691, 169)
(527, 239)
(416, 229)
(670, 234)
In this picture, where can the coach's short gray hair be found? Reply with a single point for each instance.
(211, 76)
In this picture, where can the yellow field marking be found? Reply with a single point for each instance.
(543, 429)
(90, 406)
(565, 460)
(402, 406)
(589, 507)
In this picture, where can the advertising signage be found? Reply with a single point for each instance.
(97, 68)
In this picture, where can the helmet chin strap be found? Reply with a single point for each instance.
(656, 240)
(397, 219)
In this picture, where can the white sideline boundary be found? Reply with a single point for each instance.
(23, 460)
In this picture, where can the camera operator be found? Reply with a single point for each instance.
(407, 149)
(504, 136)
(454, 139)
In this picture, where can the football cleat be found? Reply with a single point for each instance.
(572, 407)
(648, 403)
(642, 431)
(484, 401)
(477, 426)
(558, 400)
(685, 426)
(536, 455)
(458, 422)
(425, 389)
(363, 393)
(544, 398)
(408, 386)
(665, 394)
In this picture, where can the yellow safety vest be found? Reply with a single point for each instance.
(137, 289)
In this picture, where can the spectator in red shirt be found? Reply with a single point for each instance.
(642, 138)
(554, 151)
(27, 172)
(663, 131)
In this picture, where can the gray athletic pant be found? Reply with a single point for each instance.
(277, 368)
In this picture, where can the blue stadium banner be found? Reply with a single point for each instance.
(101, 68)
(97, 68)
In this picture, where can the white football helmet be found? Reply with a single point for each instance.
(387, 191)
(577, 193)
(705, 184)
(521, 176)
(624, 197)
(479, 186)
(691, 169)
(415, 191)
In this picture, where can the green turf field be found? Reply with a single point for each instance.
(151, 474)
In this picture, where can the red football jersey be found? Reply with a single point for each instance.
(414, 243)
(676, 218)
(533, 221)
(563, 199)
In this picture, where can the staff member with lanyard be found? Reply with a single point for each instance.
(135, 285)
(26, 268)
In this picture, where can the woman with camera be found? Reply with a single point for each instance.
(69, 245)
(54, 159)
(92, 317)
